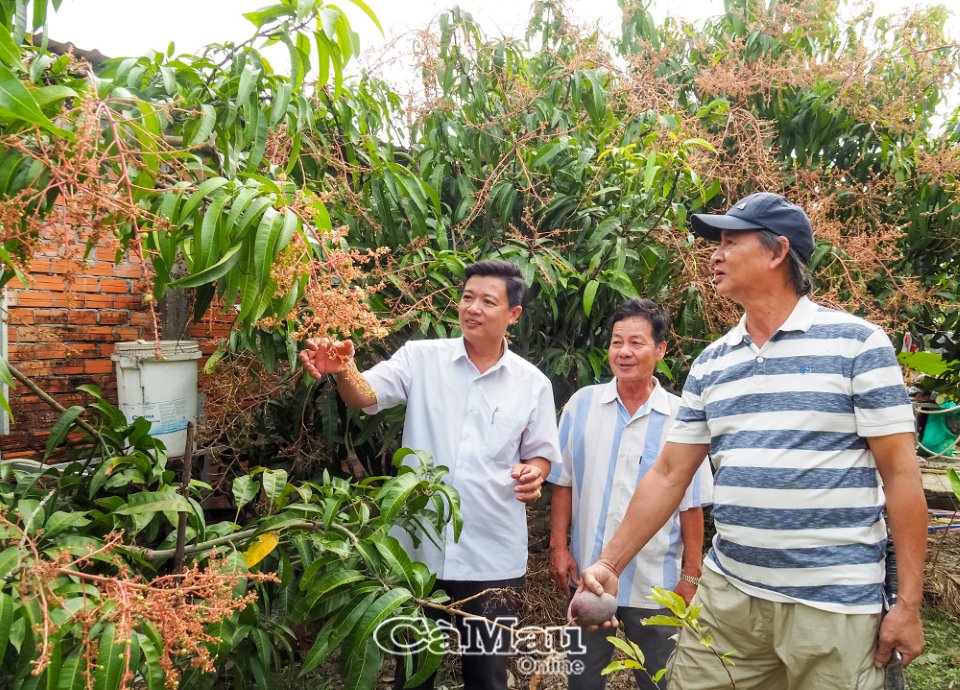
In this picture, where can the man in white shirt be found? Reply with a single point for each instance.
(610, 434)
(489, 416)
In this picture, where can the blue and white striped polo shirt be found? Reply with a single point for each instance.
(606, 452)
(798, 500)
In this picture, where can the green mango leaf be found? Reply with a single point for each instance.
(929, 363)
(60, 521)
(167, 500)
(264, 245)
(215, 272)
(245, 489)
(429, 660)
(7, 606)
(366, 10)
(110, 663)
(248, 79)
(205, 126)
(201, 193)
(589, 294)
(204, 240)
(9, 54)
(363, 667)
(45, 95)
(17, 103)
(954, 481)
(378, 612)
(335, 629)
(328, 585)
(274, 482)
(71, 676)
(61, 429)
(153, 673)
(394, 493)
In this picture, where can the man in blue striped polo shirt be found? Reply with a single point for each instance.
(804, 413)
(610, 435)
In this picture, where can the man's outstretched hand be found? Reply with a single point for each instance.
(326, 356)
(599, 578)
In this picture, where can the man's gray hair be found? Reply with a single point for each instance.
(800, 276)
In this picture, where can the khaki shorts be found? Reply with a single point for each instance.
(774, 646)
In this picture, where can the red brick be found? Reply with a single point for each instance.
(73, 366)
(114, 286)
(56, 316)
(83, 350)
(125, 333)
(85, 285)
(106, 254)
(47, 418)
(72, 398)
(113, 316)
(127, 301)
(35, 368)
(70, 300)
(94, 333)
(40, 265)
(128, 270)
(62, 267)
(83, 316)
(26, 334)
(17, 316)
(32, 298)
(97, 301)
(106, 349)
(98, 268)
(141, 318)
(42, 282)
(59, 384)
(41, 351)
(98, 366)
(23, 400)
(48, 249)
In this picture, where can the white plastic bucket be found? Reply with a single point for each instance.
(164, 391)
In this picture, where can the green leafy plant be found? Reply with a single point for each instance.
(684, 617)
(88, 594)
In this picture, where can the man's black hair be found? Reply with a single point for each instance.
(647, 309)
(497, 268)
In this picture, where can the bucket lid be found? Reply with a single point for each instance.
(146, 349)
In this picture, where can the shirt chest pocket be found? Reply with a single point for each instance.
(502, 437)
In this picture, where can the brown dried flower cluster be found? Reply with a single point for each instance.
(334, 289)
(180, 608)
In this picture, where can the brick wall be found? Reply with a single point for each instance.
(61, 334)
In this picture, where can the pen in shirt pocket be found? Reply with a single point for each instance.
(493, 417)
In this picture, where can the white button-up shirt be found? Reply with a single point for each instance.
(479, 426)
(606, 452)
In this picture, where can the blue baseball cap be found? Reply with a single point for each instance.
(760, 211)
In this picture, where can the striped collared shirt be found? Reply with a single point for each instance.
(798, 502)
(606, 452)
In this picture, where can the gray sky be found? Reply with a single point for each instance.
(131, 27)
(121, 28)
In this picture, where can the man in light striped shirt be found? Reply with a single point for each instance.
(804, 413)
(610, 435)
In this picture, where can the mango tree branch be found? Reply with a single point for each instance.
(45, 397)
(94, 57)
